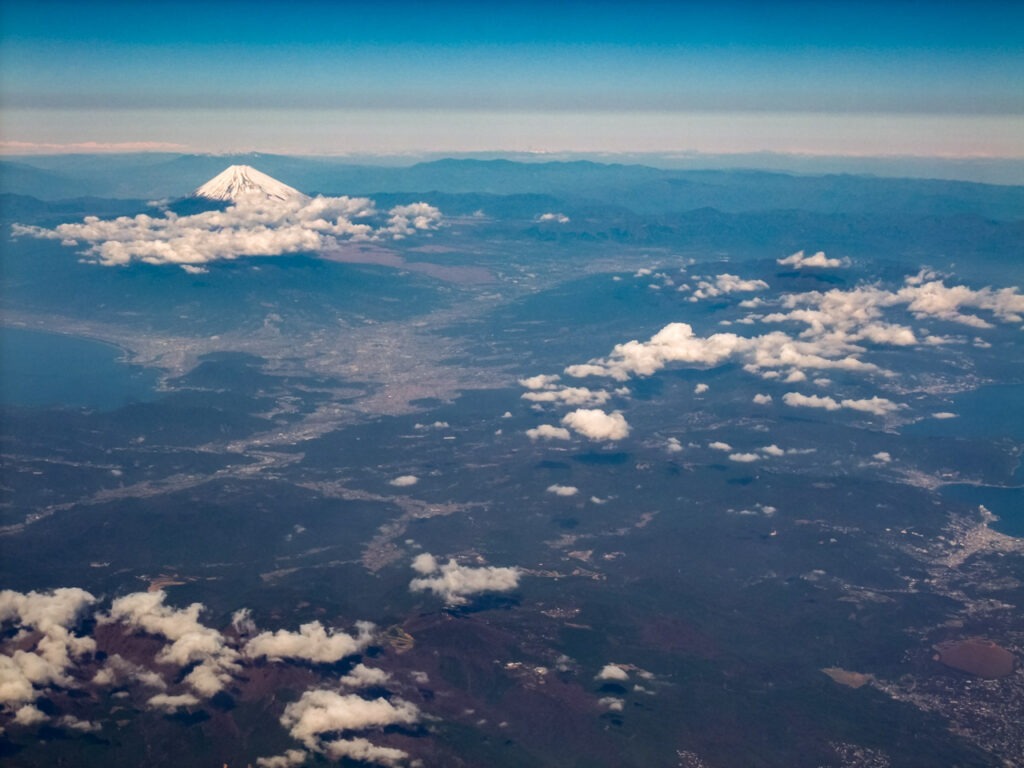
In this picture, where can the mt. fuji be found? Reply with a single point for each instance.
(245, 181)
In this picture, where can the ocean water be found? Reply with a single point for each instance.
(51, 370)
(994, 412)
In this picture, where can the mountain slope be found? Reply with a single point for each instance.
(238, 181)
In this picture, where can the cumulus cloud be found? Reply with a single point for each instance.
(762, 399)
(877, 406)
(171, 704)
(722, 284)
(363, 750)
(250, 227)
(857, 314)
(718, 445)
(75, 724)
(773, 450)
(53, 615)
(362, 676)
(403, 481)
(540, 381)
(700, 389)
(943, 415)
(454, 583)
(595, 424)
(798, 400)
(559, 218)
(569, 396)
(190, 641)
(612, 672)
(613, 703)
(818, 260)
(563, 490)
(677, 343)
(673, 445)
(744, 458)
(119, 671)
(290, 759)
(548, 432)
(320, 713)
(29, 715)
(882, 456)
(313, 642)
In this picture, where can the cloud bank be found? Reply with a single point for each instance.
(251, 227)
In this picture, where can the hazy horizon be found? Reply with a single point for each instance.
(851, 79)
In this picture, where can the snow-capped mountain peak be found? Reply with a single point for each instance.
(238, 181)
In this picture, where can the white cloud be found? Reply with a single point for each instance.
(718, 445)
(773, 450)
(290, 759)
(677, 343)
(818, 260)
(118, 671)
(52, 616)
(313, 642)
(320, 712)
(364, 751)
(560, 218)
(548, 432)
(762, 399)
(743, 458)
(425, 563)
(882, 456)
(700, 389)
(944, 415)
(362, 676)
(796, 400)
(723, 284)
(82, 726)
(613, 703)
(29, 715)
(403, 481)
(595, 424)
(169, 703)
(563, 490)
(190, 640)
(402, 219)
(540, 381)
(251, 227)
(878, 406)
(569, 396)
(612, 672)
(454, 583)
(674, 446)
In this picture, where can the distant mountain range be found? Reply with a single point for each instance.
(637, 188)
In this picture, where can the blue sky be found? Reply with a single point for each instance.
(317, 77)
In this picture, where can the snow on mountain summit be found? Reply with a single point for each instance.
(245, 181)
